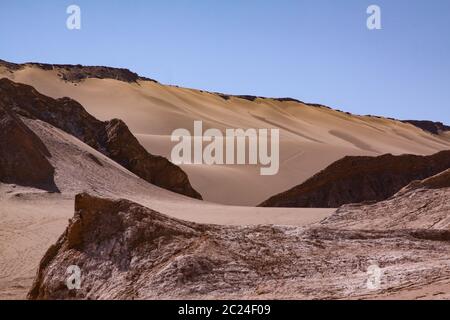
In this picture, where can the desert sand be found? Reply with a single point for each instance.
(311, 138)
(31, 220)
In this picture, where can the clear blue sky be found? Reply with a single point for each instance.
(314, 50)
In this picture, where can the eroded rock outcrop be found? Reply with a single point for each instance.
(126, 251)
(112, 138)
(429, 126)
(358, 179)
(422, 204)
(77, 73)
(23, 156)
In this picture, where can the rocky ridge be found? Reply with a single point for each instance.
(356, 179)
(429, 126)
(77, 73)
(112, 138)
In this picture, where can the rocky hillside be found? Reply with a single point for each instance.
(126, 251)
(77, 73)
(23, 156)
(429, 126)
(358, 179)
(112, 138)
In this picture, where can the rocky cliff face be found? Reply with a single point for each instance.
(112, 138)
(126, 251)
(358, 179)
(23, 156)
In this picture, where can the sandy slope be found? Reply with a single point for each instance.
(32, 220)
(77, 170)
(311, 137)
(29, 224)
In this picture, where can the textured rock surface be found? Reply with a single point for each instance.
(23, 156)
(441, 180)
(112, 138)
(421, 204)
(358, 179)
(126, 251)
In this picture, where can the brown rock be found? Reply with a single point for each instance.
(23, 156)
(429, 126)
(77, 73)
(125, 149)
(422, 204)
(357, 179)
(126, 251)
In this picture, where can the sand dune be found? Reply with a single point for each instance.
(30, 223)
(311, 138)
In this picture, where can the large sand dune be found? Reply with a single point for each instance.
(311, 137)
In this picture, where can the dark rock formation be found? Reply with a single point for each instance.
(23, 156)
(421, 204)
(77, 73)
(286, 99)
(126, 251)
(245, 97)
(10, 65)
(357, 179)
(429, 126)
(125, 149)
(112, 138)
(253, 98)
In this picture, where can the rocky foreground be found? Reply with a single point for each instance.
(422, 204)
(126, 251)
